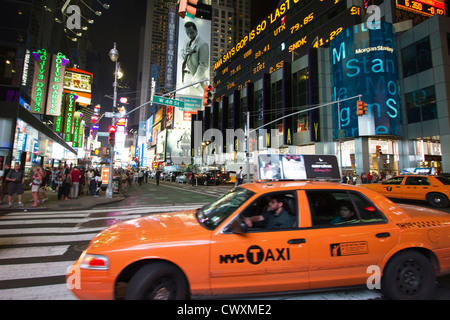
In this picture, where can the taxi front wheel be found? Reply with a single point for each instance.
(157, 281)
(408, 276)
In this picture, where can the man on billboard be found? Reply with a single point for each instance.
(195, 60)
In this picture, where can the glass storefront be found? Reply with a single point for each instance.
(31, 147)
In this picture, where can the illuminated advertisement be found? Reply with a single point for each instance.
(423, 7)
(55, 87)
(69, 116)
(161, 146)
(363, 61)
(40, 80)
(178, 146)
(77, 80)
(297, 167)
(194, 43)
(171, 55)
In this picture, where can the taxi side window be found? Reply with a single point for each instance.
(261, 206)
(395, 180)
(417, 181)
(340, 208)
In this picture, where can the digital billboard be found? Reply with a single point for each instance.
(363, 61)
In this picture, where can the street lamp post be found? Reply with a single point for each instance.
(114, 56)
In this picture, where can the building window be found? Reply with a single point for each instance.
(421, 105)
(416, 57)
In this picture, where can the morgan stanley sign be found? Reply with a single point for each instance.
(363, 61)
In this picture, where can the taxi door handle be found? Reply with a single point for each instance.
(297, 241)
(383, 235)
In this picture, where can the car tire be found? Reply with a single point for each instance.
(408, 276)
(157, 281)
(437, 200)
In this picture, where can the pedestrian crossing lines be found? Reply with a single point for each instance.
(37, 248)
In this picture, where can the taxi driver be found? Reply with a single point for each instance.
(276, 217)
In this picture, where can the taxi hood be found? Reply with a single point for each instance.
(160, 227)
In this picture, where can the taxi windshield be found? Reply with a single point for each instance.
(212, 215)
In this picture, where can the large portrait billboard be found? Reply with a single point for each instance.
(194, 45)
(363, 61)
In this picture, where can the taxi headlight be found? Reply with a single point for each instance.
(94, 262)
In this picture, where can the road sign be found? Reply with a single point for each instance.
(168, 102)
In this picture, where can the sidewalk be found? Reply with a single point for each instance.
(83, 202)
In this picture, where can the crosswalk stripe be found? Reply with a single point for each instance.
(62, 220)
(34, 270)
(50, 292)
(45, 239)
(33, 252)
(27, 231)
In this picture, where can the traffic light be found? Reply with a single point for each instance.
(207, 95)
(361, 108)
(186, 8)
(112, 135)
(378, 151)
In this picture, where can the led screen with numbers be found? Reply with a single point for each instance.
(284, 35)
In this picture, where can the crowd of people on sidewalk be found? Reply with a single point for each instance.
(370, 177)
(68, 182)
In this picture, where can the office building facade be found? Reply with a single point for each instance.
(300, 72)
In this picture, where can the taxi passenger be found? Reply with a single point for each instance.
(276, 217)
(346, 215)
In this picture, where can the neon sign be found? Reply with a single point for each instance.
(56, 84)
(39, 88)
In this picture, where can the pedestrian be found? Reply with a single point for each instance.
(45, 180)
(157, 176)
(240, 176)
(4, 182)
(76, 178)
(140, 176)
(54, 182)
(16, 178)
(36, 181)
(146, 175)
(98, 180)
(64, 190)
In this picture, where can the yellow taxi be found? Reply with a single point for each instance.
(433, 189)
(270, 237)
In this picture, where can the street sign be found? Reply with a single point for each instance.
(168, 102)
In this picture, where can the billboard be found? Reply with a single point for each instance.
(193, 64)
(298, 167)
(363, 61)
(178, 146)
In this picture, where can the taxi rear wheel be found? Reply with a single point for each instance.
(157, 281)
(438, 200)
(408, 276)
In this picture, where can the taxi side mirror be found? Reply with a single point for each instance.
(238, 226)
